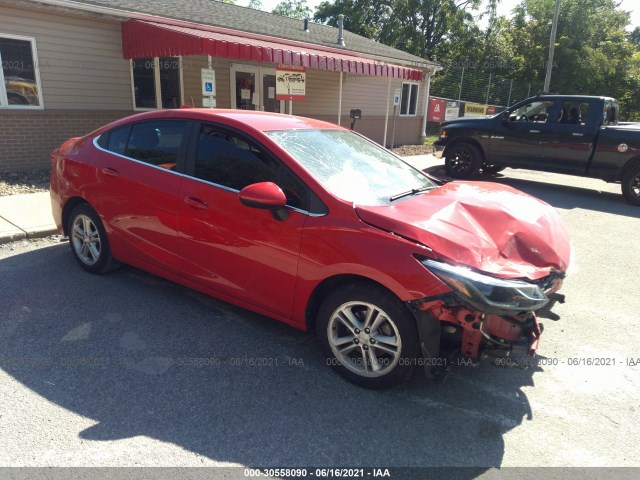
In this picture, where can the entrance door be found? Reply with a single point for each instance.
(254, 88)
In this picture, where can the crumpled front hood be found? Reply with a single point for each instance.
(487, 226)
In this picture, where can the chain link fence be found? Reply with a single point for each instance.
(464, 85)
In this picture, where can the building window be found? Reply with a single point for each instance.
(19, 76)
(409, 101)
(157, 82)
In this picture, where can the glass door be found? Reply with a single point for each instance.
(269, 101)
(245, 92)
(254, 88)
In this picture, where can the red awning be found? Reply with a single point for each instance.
(142, 39)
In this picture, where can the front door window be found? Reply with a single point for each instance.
(246, 91)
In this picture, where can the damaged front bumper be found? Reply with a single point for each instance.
(450, 330)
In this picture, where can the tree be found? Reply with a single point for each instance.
(293, 8)
(363, 17)
(425, 28)
(255, 4)
(232, 2)
(592, 47)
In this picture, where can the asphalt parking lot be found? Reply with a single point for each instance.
(127, 369)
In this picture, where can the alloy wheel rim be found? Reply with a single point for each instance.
(364, 339)
(635, 186)
(461, 162)
(86, 240)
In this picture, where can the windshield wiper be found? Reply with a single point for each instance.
(413, 191)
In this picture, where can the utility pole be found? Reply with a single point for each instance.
(552, 44)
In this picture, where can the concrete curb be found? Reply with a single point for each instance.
(18, 234)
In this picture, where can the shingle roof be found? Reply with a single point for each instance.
(215, 13)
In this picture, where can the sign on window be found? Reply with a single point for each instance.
(290, 83)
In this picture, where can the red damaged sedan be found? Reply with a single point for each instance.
(318, 227)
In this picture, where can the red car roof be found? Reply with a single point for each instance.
(262, 121)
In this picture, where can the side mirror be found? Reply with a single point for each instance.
(505, 117)
(265, 195)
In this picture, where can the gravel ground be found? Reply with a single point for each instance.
(16, 182)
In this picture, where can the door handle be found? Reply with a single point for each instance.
(534, 131)
(195, 203)
(109, 171)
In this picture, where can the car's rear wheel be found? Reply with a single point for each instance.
(463, 160)
(88, 240)
(492, 169)
(368, 336)
(631, 185)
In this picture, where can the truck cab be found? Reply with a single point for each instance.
(570, 134)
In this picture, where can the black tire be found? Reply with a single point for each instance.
(631, 185)
(492, 169)
(363, 348)
(463, 160)
(88, 240)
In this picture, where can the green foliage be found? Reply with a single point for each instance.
(364, 17)
(255, 4)
(594, 54)
(293, 8)
(593, 51)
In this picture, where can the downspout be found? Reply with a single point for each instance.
(386, 117)
(423, 133)
(340, 101)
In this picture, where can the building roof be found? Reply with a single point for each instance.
(219, 14)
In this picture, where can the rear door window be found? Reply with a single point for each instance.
(160, 143)
(573, 113)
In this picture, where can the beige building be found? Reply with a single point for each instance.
(69, 66)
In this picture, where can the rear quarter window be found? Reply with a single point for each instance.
(117, 142)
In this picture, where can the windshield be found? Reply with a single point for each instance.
(351, 167)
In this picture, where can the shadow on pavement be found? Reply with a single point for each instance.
(143, 356)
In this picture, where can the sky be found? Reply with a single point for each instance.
(505, 7)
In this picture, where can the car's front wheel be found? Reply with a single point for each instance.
(631, 185)
(88, 240)
(463, 160)
(368, 336)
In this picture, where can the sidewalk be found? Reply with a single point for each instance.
(26, 216)
(29, 215)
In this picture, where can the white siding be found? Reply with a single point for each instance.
(80, 59)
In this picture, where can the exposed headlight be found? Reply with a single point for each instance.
(488, 294)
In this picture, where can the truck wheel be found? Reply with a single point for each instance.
(368, 336)
(463, 160)
(631, 185)
(492, 169)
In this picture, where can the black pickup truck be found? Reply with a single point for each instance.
(575, 135)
